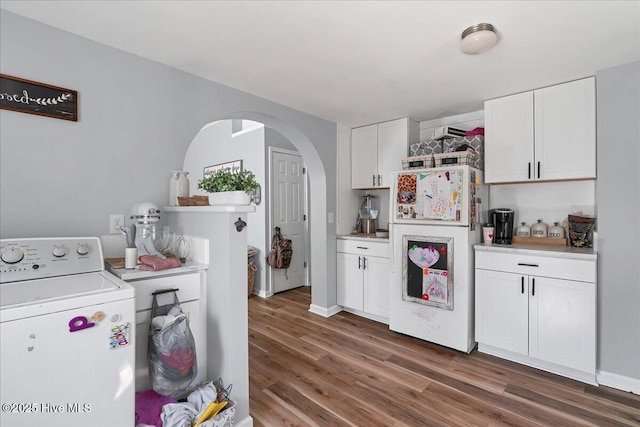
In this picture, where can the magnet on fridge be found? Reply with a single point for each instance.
(98, 316)
(79, 323)
(119, 336)
(116, 318)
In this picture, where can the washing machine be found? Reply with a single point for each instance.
(68, 336)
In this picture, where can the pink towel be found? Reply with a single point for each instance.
(154, 263)
(149, 407)
(476, 131)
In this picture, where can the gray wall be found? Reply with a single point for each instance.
(618, 216)
(137, 118)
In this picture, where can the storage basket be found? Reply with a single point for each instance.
(251, 276)
(455, 158)
(251, 269)
(448, 145)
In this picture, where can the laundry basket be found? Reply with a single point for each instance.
(251, 269)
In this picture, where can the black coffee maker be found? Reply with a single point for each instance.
(503, 226)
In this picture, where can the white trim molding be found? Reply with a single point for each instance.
(619, 382)
(325, 312)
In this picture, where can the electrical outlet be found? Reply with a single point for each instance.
(115, 221)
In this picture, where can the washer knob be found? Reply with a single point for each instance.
(83, 249)
(12, 255)
(59, 251)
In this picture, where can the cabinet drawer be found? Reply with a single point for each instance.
(188, 285)
(561, 268)
(359, 247)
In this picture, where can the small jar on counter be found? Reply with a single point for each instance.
(523, 230)
(539, 229)
(556, 231)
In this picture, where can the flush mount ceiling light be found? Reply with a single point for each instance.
(478, 38)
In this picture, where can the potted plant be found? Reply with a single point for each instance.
(229, 188)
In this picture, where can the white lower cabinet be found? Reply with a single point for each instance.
(363, 278)
(538, 310)
(189, 288)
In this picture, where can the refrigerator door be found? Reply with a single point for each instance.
(432, 284)
(439, 196)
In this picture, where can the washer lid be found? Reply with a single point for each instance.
(42, 296)
(53, 288)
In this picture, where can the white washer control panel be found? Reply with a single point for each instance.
(37, 258)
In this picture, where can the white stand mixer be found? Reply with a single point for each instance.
(147, 240)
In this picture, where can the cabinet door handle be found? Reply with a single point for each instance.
(538, 169)
(527, 264)
(529, 170)
(379, 180)
(533, 287)
(359, 262)
(362, 247)
(373, 180)
(522, 284)
(364, 262)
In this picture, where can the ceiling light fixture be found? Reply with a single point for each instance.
(478, 38)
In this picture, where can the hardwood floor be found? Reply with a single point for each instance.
(306, 370)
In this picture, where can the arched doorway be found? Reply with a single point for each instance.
(322, 235)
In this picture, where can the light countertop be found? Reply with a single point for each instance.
(568, 252)
(133, 274)
(363, 237)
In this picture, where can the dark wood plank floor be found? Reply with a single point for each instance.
(306, 370)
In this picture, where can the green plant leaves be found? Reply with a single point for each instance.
(228, 181)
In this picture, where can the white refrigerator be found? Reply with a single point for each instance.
(434, 221)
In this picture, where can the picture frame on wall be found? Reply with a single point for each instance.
(427, 271)
(233, 167)
(27, 96)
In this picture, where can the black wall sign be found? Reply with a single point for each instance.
(31, 97)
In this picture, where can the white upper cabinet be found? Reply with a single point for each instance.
(364, 157)
(548, 134)
(377, 150)
(508, 146)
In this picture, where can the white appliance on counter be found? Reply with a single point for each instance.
(434, 221)
(68, 336)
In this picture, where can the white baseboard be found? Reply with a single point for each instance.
(619, 382)
(262, 294)
(247, 422)
(325, 312)
(369, 316)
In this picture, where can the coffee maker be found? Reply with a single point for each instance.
(503, 226)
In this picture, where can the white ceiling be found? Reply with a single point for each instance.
(361, 62)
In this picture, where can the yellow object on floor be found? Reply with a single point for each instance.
(211, 411)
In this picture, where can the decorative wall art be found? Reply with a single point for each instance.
(427, 271)
(26, 96)
(233, 167)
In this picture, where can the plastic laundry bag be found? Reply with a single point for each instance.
(172, 349)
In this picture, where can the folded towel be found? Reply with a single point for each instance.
(149, 407)
(154, 263)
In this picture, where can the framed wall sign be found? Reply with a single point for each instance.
(427, 270)
(234, 167)
(31, 97)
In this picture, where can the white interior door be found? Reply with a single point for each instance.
(288, 213)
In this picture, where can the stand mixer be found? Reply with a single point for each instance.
(367, 215)
(148, 240)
